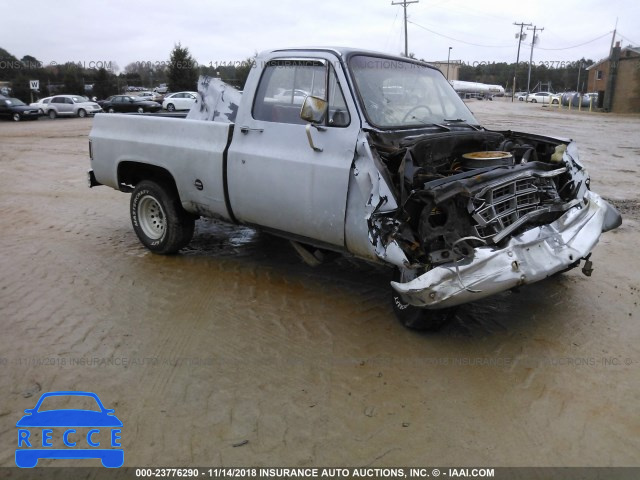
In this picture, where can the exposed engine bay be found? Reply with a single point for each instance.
(460, 190)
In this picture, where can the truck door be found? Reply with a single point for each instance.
(283, 173)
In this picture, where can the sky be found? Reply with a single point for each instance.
(215, 31)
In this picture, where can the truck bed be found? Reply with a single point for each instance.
(119, 141)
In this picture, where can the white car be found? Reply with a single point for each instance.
(543, 97)
(295, 97)
(41, 104)
(153, 96)
(71, 106)
(179, 101)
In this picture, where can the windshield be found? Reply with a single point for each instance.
(15, 101)
(80, 99)
(399, 94)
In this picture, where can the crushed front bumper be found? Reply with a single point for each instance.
(531, 256)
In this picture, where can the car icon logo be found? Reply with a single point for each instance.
(69, 433)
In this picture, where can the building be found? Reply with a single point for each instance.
(617, 80)
(452, 68)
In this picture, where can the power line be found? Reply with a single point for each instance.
(404, 4)
(575, 46)
(628, 40)
(457, 40)
(509, 46)
(391, 29)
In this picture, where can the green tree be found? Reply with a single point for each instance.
(104, 84)
(10, 66)
(20, 88)
(243, 70)
(183, 70)
(72, 79)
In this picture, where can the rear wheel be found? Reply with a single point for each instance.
(160, 222)
(416, 318)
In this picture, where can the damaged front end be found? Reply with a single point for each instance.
(481, 212)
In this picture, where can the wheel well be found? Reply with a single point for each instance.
(132, 173)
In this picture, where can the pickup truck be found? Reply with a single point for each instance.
(369, 155)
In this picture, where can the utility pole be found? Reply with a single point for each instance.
(404, 4)
(613, 38)
(533, 42)
(448, 59)
(515, 72)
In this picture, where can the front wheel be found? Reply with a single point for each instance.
(160, 222)
(16, 117)
(140, 110)
(171, 107)
(52, 114)
(416, 318)
(82, 113)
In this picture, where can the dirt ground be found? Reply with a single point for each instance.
(236, 353)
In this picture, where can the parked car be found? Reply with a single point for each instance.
(153, 96)
(128, 103)
(179, 101)
(162, 88)
(521, 96)
(41, 104)
(17, 110)
(71, 106)
(543, 97)
(295, 97)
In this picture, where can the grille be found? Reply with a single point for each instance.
(499, 207)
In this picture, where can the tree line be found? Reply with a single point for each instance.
(556, 76)
(179, 72)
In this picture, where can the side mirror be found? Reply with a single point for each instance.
(313, 109)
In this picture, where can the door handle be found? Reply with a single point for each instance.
(246, 130)
(310, 138)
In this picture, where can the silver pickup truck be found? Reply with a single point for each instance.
(369, 155)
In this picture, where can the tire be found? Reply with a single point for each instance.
(16, 117)
(160, 222)
(52, 114)
(82, 113)
(416, 318)
(111, 110)
(140, 110)
(171, 107)
(554, 102)
(534, 101)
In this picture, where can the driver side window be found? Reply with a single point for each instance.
(286, 83)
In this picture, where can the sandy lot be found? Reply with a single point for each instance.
(236, 353)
